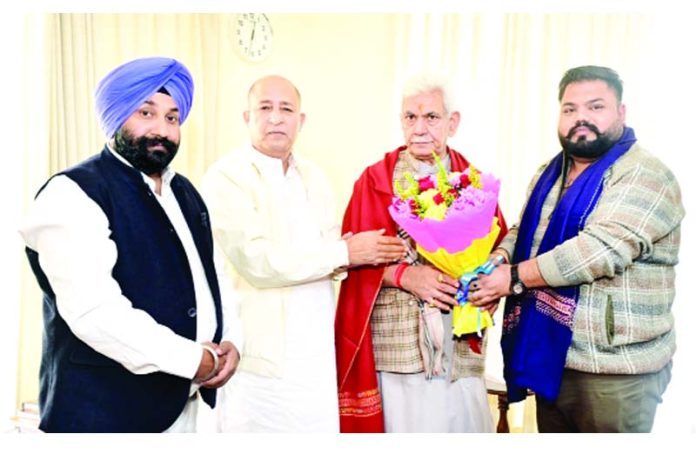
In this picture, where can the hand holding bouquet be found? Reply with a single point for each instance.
(451, 217)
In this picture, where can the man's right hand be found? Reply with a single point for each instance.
(373, 248)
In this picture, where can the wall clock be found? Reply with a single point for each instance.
(253, 36)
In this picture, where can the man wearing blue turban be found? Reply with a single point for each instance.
(139, 323)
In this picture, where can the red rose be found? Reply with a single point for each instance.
(464, 180)
(425, 183)
(438, 199)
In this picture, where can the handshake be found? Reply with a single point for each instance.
(218, 364)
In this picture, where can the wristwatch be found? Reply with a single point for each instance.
(516, 285)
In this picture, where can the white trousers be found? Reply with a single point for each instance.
(186, 423)
(413, 404)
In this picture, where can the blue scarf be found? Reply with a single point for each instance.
(538, 325)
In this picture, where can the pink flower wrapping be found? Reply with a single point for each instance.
(451, 216)
(468, 217)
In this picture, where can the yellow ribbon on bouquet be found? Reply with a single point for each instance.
(466, 318)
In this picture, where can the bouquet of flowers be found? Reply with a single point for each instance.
(451, 217)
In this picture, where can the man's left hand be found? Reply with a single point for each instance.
(229, 356)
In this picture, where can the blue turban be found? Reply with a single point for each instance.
(123, 90)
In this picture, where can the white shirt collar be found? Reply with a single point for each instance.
(270, 167)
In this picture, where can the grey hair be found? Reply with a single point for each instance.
(429, 82)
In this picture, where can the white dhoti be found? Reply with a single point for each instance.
(304, 398)
(413, 404)
(252, 403)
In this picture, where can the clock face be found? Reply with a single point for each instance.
(253, 36)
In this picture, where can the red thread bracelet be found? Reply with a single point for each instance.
(398, 273)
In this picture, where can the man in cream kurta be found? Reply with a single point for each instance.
(274, 217)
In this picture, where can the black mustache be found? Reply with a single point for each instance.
(588, 125)
(168, 144)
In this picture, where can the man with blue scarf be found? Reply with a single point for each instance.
(589, 273)
(137, 322)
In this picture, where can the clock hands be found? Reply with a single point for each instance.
(253, 31)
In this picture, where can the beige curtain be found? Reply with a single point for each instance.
(85, 47)
(506, 68)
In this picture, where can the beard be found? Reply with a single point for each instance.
(135, 151)
(589, 149)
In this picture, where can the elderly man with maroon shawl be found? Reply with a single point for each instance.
(383, 385)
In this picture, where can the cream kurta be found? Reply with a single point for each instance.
(282, 237)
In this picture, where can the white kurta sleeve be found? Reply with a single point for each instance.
(242, 221)
(71, 233)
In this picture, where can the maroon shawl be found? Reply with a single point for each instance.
(359, 398)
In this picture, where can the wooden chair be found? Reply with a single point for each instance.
(498, 389)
